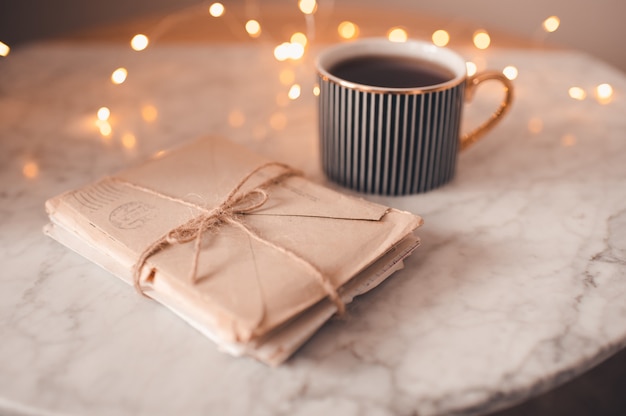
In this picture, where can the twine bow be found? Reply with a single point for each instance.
(235, 203)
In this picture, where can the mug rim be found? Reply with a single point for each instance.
(383, 46)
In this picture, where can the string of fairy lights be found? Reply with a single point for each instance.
(294, 50)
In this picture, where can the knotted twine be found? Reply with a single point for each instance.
(234, 204)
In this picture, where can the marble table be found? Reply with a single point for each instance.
(519, 285)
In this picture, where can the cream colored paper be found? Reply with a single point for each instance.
(246, 289)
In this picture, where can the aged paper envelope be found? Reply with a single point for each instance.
(245, 288)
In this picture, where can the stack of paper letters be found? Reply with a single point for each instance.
(253, 255)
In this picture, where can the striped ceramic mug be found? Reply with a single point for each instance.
(390, 112)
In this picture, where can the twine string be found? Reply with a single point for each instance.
(236, 203)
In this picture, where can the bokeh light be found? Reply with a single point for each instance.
(4, 49)
(294, 92)
(568, 140)
(510, 72)
(119, 76)
(236, 118)
(316, 90)
(307, 6)
(535, 125)
(551, 24)
(397, 34)
(441, 37)
(149, 113)
(299, 38)
(104, 127)
(129, 141)
(471, 68)
(139, 42)
(281, 52)
(577, 93)
(287, 50)
(296, 51)
(103, 113)
(253, 28)
(216, 9)
(481, 39)
(347, 30)
(30, 170)
(604, 93)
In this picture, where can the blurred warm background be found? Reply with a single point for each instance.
(595, 27)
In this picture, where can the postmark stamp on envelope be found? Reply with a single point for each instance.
(132, 215)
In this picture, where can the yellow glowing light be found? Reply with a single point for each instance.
(105, 128)
(278, 121)
(471, 68)
(149, 113)
(316, 90)
(296, 51)
(139, 42)
(288, 50)
(104, 113)
(397, 34)
(568, 140)
(159, 154)
(348, 30)
(287, 76)
(604, 90)
(294, 91)
(119, 75)
(253, 28)
(236, 118)
(551, 24)
(577, 93)
(535, 125)
(281, 52)
(30, 170)
(604, 93)
(216, 9)
(4, 49)
(307, 6)
(441, 37)
(481, 39)
(129, 141)
(510, 72)
(299, 38)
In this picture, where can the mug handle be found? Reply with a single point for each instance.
(472, 82)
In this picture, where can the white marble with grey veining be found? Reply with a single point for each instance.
(520, 283)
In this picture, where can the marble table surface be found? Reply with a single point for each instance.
(519, 284)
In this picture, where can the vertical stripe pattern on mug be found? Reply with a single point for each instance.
(389, 143)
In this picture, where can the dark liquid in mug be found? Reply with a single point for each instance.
(391, 71)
